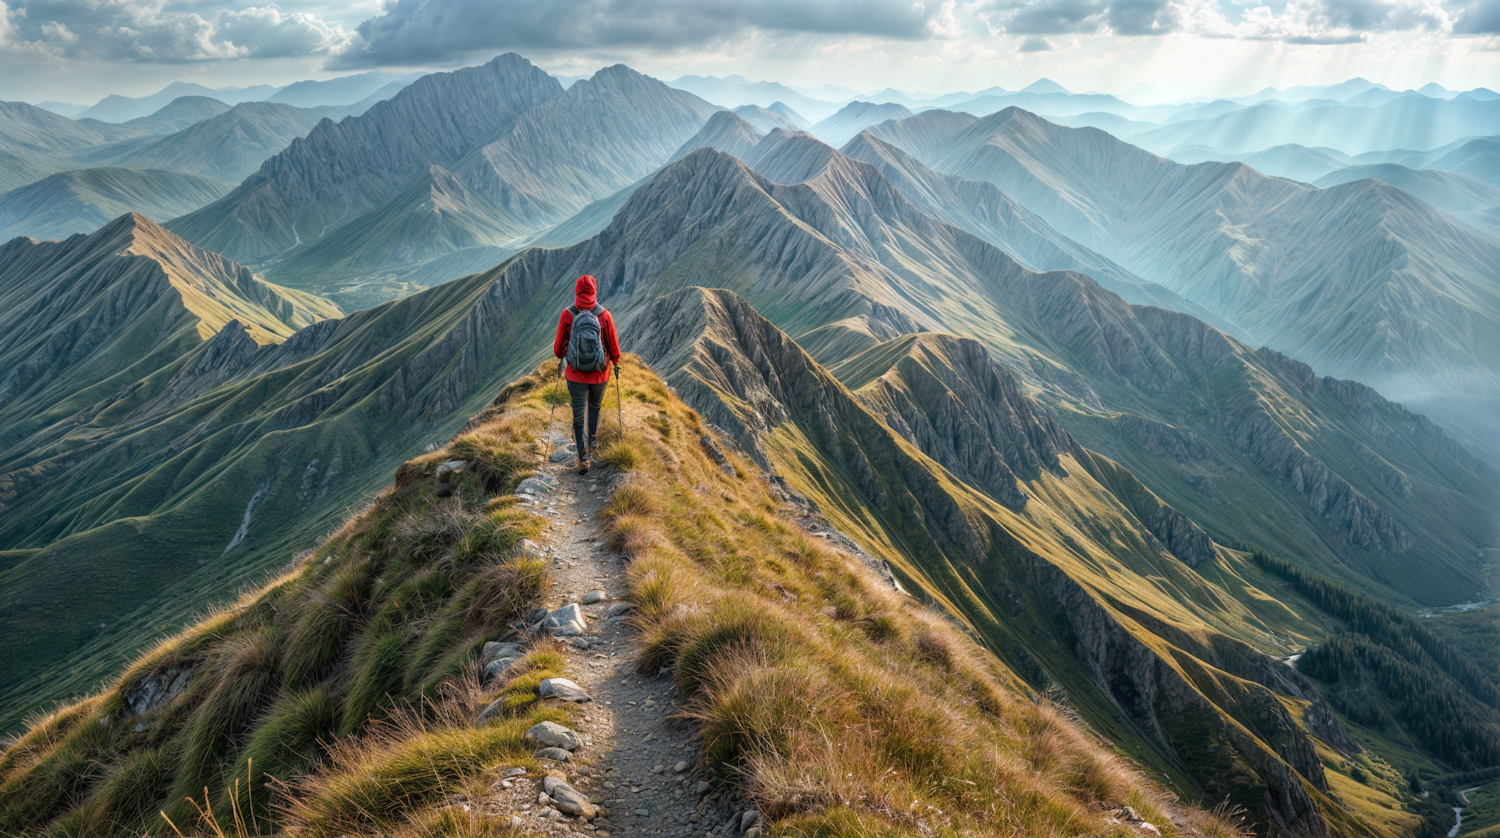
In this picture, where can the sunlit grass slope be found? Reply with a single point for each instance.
(341, 697)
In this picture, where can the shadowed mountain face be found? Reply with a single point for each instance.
(977, 481)
(82, 200)
(341, 170)
(506, 149)
(1361, 280)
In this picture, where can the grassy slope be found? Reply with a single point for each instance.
(997, 571)
(328, 662)
(81, 201)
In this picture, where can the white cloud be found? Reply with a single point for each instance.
(146, 31)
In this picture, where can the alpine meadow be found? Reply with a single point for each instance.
(485, 419)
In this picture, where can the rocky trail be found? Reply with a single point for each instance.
(625, 750)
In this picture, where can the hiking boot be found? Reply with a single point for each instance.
(583, 464)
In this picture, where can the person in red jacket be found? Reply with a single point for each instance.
(593, 346)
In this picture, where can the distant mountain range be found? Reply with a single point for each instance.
(345, 90)
(530, 156)
(83, 200)
(1360, 280)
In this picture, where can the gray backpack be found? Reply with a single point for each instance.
(586, 341)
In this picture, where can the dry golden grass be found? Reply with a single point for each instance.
(842, 707)
(349, 686)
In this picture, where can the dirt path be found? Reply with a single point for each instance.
(635, 761)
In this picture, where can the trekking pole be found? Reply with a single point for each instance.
(620, 402)
(552, 414)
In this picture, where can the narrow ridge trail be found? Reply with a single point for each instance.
(635, 760)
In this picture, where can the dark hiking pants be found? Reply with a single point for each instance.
(594, 393)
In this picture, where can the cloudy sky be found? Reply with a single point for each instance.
(80, 50)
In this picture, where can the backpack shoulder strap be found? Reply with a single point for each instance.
(573, 310)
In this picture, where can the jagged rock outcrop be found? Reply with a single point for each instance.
(949, 399)
(1260, 438)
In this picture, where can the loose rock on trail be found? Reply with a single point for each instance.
(632, 760)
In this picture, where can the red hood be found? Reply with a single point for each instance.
(585, 292)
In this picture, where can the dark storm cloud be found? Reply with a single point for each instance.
(1057, 17)
(1480, 17)
(416, 31)
(146, 31)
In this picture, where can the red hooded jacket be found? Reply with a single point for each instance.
(585, 296)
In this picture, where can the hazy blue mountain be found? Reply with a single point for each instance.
(1050, 103)
(733, 91)
(35, 143)
(83, 200)
(725, 131)
(177, 115)
(344, 90)
(1337, 92)
(1407, 122)
(1478, 159)
(765, 119)
(1445, 190)
(1297, 162)
(1113, 123)
(63, 108)
(115, 108)
(228, 146)
(1044, 86)
(1362, 280)
(853, 118)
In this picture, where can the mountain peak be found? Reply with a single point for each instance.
(1044, 85)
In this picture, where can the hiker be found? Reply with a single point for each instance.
(587, 344)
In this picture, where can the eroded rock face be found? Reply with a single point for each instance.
(1260, 438)
(948, 398)
(1168, 711)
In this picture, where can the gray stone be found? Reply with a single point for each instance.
(620, 608)
(448, 467)
(494, 650)
(537, 486)
(566, 617)
(552, 735)
(594, 596)
(498, 667)
(579, 642)
(567, 798)
(749, 818)
(563, 690)
(702, 787)
(680, 767)
(559, 455)
(527, 547)
(554, 754)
